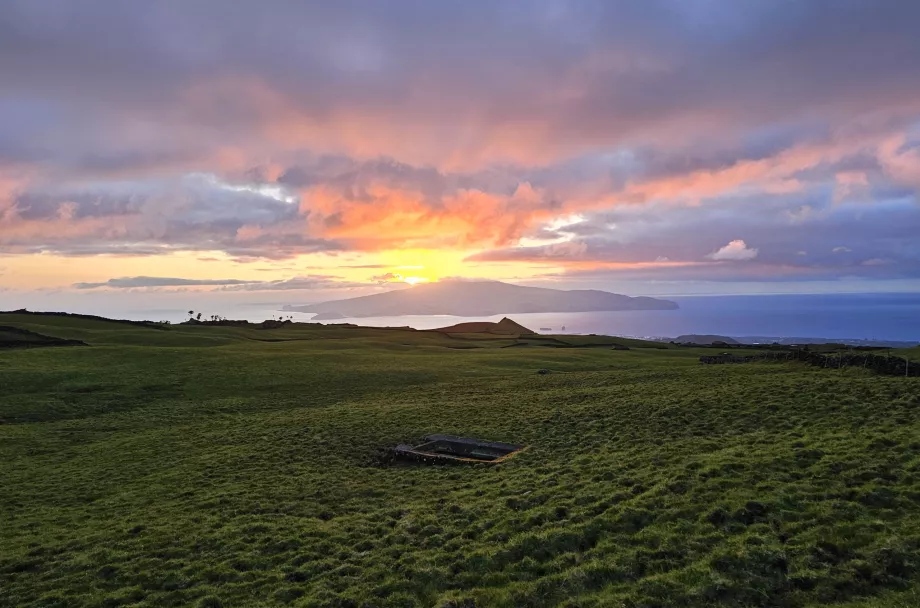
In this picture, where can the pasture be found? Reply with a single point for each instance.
(225, 466)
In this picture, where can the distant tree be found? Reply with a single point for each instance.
(191, 313)
(198, 317)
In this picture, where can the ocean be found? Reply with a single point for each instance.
(874, 316)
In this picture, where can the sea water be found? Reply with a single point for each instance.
(833, 316)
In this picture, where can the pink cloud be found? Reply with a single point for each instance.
(736, 250)
(901, 162)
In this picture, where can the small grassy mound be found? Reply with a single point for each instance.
(504, 327)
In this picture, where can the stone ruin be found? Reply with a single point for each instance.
(448, 449)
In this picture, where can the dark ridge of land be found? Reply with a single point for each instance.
(15, 337)
(71, 315)
(479, 299)
(848, 341)
(787, 341)
(858, 357)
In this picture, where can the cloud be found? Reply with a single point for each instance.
(311, 281)
(631, 242)
(324, 130)
(132, 282)
(735, 250)
(349, 79)
(851, 185)
(189, 213)
(841, 250)
(900, 158)
(387, 277)
(875, 262)
(315, 281)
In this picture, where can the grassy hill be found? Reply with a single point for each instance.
(202, 465)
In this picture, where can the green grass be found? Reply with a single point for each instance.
(237, 467)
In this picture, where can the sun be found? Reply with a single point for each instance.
(415, 280)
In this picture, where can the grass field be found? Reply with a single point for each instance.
(220, 466)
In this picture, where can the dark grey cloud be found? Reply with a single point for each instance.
(192, 213)
(450, 77)
(310, 281)
(132, 282)
(387, 277)
(314, 281)
(353, 179)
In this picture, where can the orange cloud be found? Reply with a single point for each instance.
(384, 216)
(772, 175)
(17, 231)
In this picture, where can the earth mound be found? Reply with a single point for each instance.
(705, 339)
(504, 327)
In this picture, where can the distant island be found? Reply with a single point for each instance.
(478, 299)
(325, 316)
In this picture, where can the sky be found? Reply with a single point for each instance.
(174, 152)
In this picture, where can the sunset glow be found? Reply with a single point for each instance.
(648, 157)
